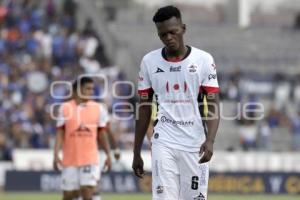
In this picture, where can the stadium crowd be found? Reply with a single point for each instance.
(279, 96)
(40, 44)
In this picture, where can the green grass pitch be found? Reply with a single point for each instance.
(50, 196)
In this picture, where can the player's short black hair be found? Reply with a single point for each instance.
(81, 81)
(165, 13)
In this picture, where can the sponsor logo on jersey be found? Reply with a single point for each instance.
(193, 68)
(82, 130)
(159, 70)
(141, 78)
(212, 76)
(181, 101)
(175, 69)
(164, 119)
(156, 135)
(200, 197)
(214, 66)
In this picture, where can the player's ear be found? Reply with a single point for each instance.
(184, 27)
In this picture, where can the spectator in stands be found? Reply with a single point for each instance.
(263, 136)
(252, 104)
(39, 44)
(5, 147)
(296, 91)
(282, 89)
(70, 8)
(273, 117)
(248, 132)
(95, 41)
(295, 131)
(297, 21)
(233, 88)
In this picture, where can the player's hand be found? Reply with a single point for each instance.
(206, 151)
(57, 163)
(117, 154)
(107, 164)
(138, 166)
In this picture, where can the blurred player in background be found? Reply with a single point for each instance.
(182, 143)
(80, 124)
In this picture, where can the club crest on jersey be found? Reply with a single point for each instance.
(159, 70)
(193, 68)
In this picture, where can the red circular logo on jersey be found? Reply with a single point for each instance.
(176, 86)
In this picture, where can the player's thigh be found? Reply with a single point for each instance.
(165, 173)
(89, 175)
(193, 177)
(70, 179)
(71, 195)
(87, 192)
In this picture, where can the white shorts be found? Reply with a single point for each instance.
(75, 177)
(177, 175)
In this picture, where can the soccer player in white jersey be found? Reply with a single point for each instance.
(182, 143)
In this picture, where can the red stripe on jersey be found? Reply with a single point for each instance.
(101, 129)
(209, 90)
(145, 91)
(61, 128)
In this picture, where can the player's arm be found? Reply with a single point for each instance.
(102, 135)
(57, 147)
(103, 141)
(143, 117)
(213, 116)
(111, 137)
(144, 110)
(209, 110)
(211, 120)
(113, 142)
(210, 87)
(59, 138)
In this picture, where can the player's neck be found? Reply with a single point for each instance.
(80, 100)
(178, 54)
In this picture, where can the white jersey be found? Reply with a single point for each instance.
(176, 86)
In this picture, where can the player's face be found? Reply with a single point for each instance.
(87, 90)
(171, 33)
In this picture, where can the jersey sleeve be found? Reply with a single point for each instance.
(209, 82)
(104, 117)
(144, 83)
(60, 120)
